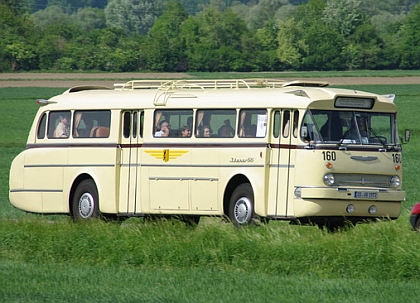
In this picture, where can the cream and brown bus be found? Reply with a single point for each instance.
(246, 150)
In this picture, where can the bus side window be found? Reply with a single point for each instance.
(135, 123)
(168, 123)
(58, 124)
(91, 124)
(222, 121)
(253, 123)
(141, 123)
(102, 121)
(42, 126)
(295, 123)
(276, 124)
(286, 124)
(126, 124)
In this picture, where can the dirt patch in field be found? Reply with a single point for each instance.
(67, 80)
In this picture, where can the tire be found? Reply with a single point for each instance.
(416, 224)
(241, 206)
(85, 204)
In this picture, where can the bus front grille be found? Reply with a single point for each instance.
(362, 180)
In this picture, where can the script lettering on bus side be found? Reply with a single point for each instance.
(242, 160)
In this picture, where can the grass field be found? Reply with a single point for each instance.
(49, 258)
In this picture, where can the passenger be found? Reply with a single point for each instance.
(164, 129)
(251, 131)
(185, 132)
(226, 130)
(190, 122)
(332, 130)
(357, 131)
(206, 131)
(62, 129)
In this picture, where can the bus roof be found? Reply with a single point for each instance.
(205, 94)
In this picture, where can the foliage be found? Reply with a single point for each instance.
(135, 16)
(204, 35)
(410, 38)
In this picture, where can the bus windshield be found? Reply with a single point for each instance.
(349, 127)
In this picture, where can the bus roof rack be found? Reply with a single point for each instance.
(213, 84)
(181, 84)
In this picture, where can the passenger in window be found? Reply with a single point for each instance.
(206, 132)
(185, 132)
(226, 130)
(164, 129)
(251, 131)
(62, 128)
(357, 128)
(190, 122)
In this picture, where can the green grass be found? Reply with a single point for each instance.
(50, 258)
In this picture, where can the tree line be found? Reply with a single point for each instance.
(208, 36)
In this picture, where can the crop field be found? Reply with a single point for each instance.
(52, 259)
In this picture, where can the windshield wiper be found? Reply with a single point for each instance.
(381, 139)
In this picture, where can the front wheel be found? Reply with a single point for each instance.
(85, 204)
(241, 206)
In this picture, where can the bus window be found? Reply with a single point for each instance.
(350, 127)
(42, 126)
(253, 123)
(58, 124)
(308, 132)
(295, 123)
(141, 123)
(91, 124)
(286, 124)
(217, 119)
(126, 124)
(168, 123)
(135, 123)
(276, 124)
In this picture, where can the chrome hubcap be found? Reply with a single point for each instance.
(242, 210)
(86, 205)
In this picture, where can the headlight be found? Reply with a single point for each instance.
(329, 179)
(395, 181)
(298, 192)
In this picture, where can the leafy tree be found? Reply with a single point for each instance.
(264, 47)
(324, 48)
(342, 15)
(17, 36)
(292, 45)
(50, 16)
(18, 7)
(215, 43)
(374, 7)
(89, 18)
(133, 16)
(363, 49)
(410, 40)
(164, 50)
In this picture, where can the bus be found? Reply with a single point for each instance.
(246, 150)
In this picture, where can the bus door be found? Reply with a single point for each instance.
(131, 139)
(281, 165)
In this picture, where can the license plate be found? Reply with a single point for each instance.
(365, 195)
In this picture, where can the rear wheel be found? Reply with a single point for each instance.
(241, 206)
(416, 225)
(85, 204)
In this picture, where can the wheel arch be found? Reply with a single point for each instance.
(233, 183)
(76, 183)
